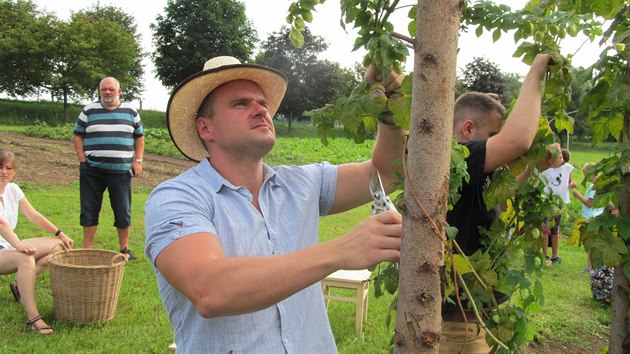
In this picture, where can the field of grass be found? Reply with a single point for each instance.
(141, 325)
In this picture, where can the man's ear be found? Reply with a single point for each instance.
(468, 129)
(204, 129)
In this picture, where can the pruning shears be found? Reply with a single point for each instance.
(381, 201)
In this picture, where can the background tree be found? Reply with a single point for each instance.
(312, 82)
(482, 75)
(512, 87)
(579, 119)
(581, 86)
(25, 47)
(94, 44)
(193, 31)
(68, 59)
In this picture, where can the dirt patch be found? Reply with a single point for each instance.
(47, 161)
(595, 342)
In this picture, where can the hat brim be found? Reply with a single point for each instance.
(189, 95)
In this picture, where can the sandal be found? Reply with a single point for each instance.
(39, 329)
(15, 291)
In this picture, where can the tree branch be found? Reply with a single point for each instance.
(404, 38)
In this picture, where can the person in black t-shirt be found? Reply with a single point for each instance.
(477, 124)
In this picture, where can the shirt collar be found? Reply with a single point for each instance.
(217, 181)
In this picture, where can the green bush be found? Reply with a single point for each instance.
(13, 112)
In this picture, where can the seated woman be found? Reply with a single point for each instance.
(26, 258)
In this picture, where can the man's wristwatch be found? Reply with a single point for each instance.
(139, 161)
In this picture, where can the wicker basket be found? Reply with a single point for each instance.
(85, 284)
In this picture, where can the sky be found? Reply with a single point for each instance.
(268, 16)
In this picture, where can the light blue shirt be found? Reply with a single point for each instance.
(589, 213)
(291, 199)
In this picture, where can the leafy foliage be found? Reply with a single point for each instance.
(192, 31)
(482, 75)
(25, 47)
(68, 58)
(361, 110)
(311, 82)
(96, 43)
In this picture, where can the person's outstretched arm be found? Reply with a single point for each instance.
(519, 131)
(353, 178)
(195, 265)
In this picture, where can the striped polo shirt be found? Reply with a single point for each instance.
(109, 135)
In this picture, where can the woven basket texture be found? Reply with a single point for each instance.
(85, 284)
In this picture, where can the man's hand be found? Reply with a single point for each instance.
(539, 66)
(137, 168)
(380, 91)
(374, 240)
(394, 80)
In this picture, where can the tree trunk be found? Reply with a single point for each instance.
(619, 308)
(65, 107)
(619, 337)
(418, 321)
(290, 121)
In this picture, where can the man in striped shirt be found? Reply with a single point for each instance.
(109, 143)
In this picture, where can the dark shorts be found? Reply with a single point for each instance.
(93, 183)
(556, 225)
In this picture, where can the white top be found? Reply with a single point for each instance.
(9, 208)
(558, 181)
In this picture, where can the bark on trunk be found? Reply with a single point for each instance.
(418, 321)
(619, 337)
(66, 107)
(619, 308)
(290, 123)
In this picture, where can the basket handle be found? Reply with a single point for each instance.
(120, 255)
(59, 247)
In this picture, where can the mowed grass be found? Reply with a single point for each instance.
(141, 325)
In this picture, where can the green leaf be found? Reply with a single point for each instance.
(623, 227)
(479, 31)
(461, 265)
(451, 232)
(496, 35)
(500, 189)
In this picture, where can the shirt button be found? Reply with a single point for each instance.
(285, 340)
(177, 234)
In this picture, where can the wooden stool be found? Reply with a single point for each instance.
(350, 279)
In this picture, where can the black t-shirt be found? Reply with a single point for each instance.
(471, 212)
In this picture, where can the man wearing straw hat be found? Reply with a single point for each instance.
(234, 241)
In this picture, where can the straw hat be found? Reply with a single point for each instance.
(185, 101)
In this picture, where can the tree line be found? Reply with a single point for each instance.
(65, 60)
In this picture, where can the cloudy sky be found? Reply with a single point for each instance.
(269, 16)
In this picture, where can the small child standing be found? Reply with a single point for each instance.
(559, 182)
